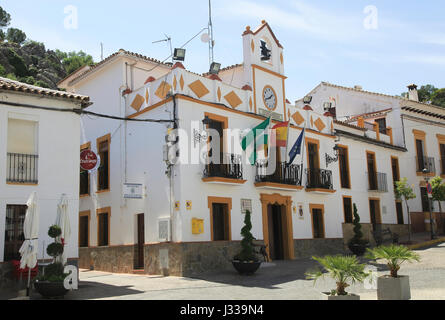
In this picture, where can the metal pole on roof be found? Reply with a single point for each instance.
(211, 42)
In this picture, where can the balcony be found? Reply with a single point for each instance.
(377, 181)
(229, 172)
(427, 163)
(22, 168)
(285, 177)
(319, 180)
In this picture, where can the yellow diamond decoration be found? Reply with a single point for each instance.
(281, 58)
(233, 99)
(199, 88)
(174, 83)
(146, 96)
(320, 124)
(298, 118)
(252, 45)
(163, 89)
(250, 103)
(181, 82)
(312, 122)
(137, 102)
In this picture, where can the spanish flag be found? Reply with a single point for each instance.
(282, 129)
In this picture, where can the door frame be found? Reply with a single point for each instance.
(228, 202)
(140, 256)
(379, 217)
(320, 207)
(288, 241)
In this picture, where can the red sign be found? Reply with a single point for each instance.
(88, 160)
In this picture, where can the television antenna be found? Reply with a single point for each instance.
(167, 39)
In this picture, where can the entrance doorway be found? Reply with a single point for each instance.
(277, 226)
(139, 254)
(276, 236)
(374, 208)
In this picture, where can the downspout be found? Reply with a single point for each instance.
(173, 222)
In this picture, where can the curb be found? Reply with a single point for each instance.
(426, 244)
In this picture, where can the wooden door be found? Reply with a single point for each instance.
(141, 242)
(14, 237)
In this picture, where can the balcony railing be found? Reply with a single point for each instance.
(284, 174)
(319, 179)
(231, 168)
(22, 168)
(426, 163)
(378, 181)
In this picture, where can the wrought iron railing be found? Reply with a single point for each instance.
(283, 174)
(319, 179)
(22, 168)
(231, 168)
(427, 163)
(378, 181)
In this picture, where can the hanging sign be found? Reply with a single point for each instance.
(88, 160)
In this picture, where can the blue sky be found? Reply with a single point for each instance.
(323, 40)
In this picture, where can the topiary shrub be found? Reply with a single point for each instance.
(54, 231)
(357, 244)
(247, 249)
(54, 249)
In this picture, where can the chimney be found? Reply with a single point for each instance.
(412, 93)
(357, 87)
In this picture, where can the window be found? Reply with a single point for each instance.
(347, 209)
(22, 155)
(103, 227)
(317, 221)
(372, 172)
(343, 162)
(84, 229)
(395, 169)
(103, 172)
(382, 125)
(14, 237)
(220, 224)
(84, 185)
(442, 158)
(399, 211)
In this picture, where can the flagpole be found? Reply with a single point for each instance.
(302, 152)
(287, 143)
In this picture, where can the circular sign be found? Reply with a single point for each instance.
(88, 160)
(429, 188)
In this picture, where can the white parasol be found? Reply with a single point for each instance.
(28, 250)
(63, 222)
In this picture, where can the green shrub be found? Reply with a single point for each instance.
(247, 250)
(394, 255)
(54, 249)
(54, 231)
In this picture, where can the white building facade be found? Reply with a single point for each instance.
(38, 152)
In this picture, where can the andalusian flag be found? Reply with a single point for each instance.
(258, 137)
(282, 130)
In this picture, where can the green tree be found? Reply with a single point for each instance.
(5, 18)
(2, 36)
(74, 60)
(438, 98)
(2, 71)
(404, 191)
(15, 35)
(438, 187)
(425, 92)
(247, 251)
(394, 256)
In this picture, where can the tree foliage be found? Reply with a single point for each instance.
(345, 270)
(438, 98)
(74, 60)
(394, 255)
(403, 190)
(15, 35)
(425, 93)
(5, 18)
(247, 250)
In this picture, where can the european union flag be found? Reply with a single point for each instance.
(296, 149)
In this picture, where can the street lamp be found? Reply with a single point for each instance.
(430, 198)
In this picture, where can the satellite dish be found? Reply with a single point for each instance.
(205, 38)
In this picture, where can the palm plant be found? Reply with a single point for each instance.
(345, 270)
(394, 255)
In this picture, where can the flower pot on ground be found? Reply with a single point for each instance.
(393, 286)
(246, 262)
(357, 244)
(345, 270)
(50, 283)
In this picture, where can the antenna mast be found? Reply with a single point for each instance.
(211, 42)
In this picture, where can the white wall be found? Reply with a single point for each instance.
(58, 166)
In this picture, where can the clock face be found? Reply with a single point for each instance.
(270, 98)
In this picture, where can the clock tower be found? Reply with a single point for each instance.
(264, 71)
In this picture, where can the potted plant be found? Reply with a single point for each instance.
(357, 244)
(393, 286)
(246, 262)
(50, 283)
(345, 270)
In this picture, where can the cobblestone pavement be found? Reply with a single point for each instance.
(282, 280)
